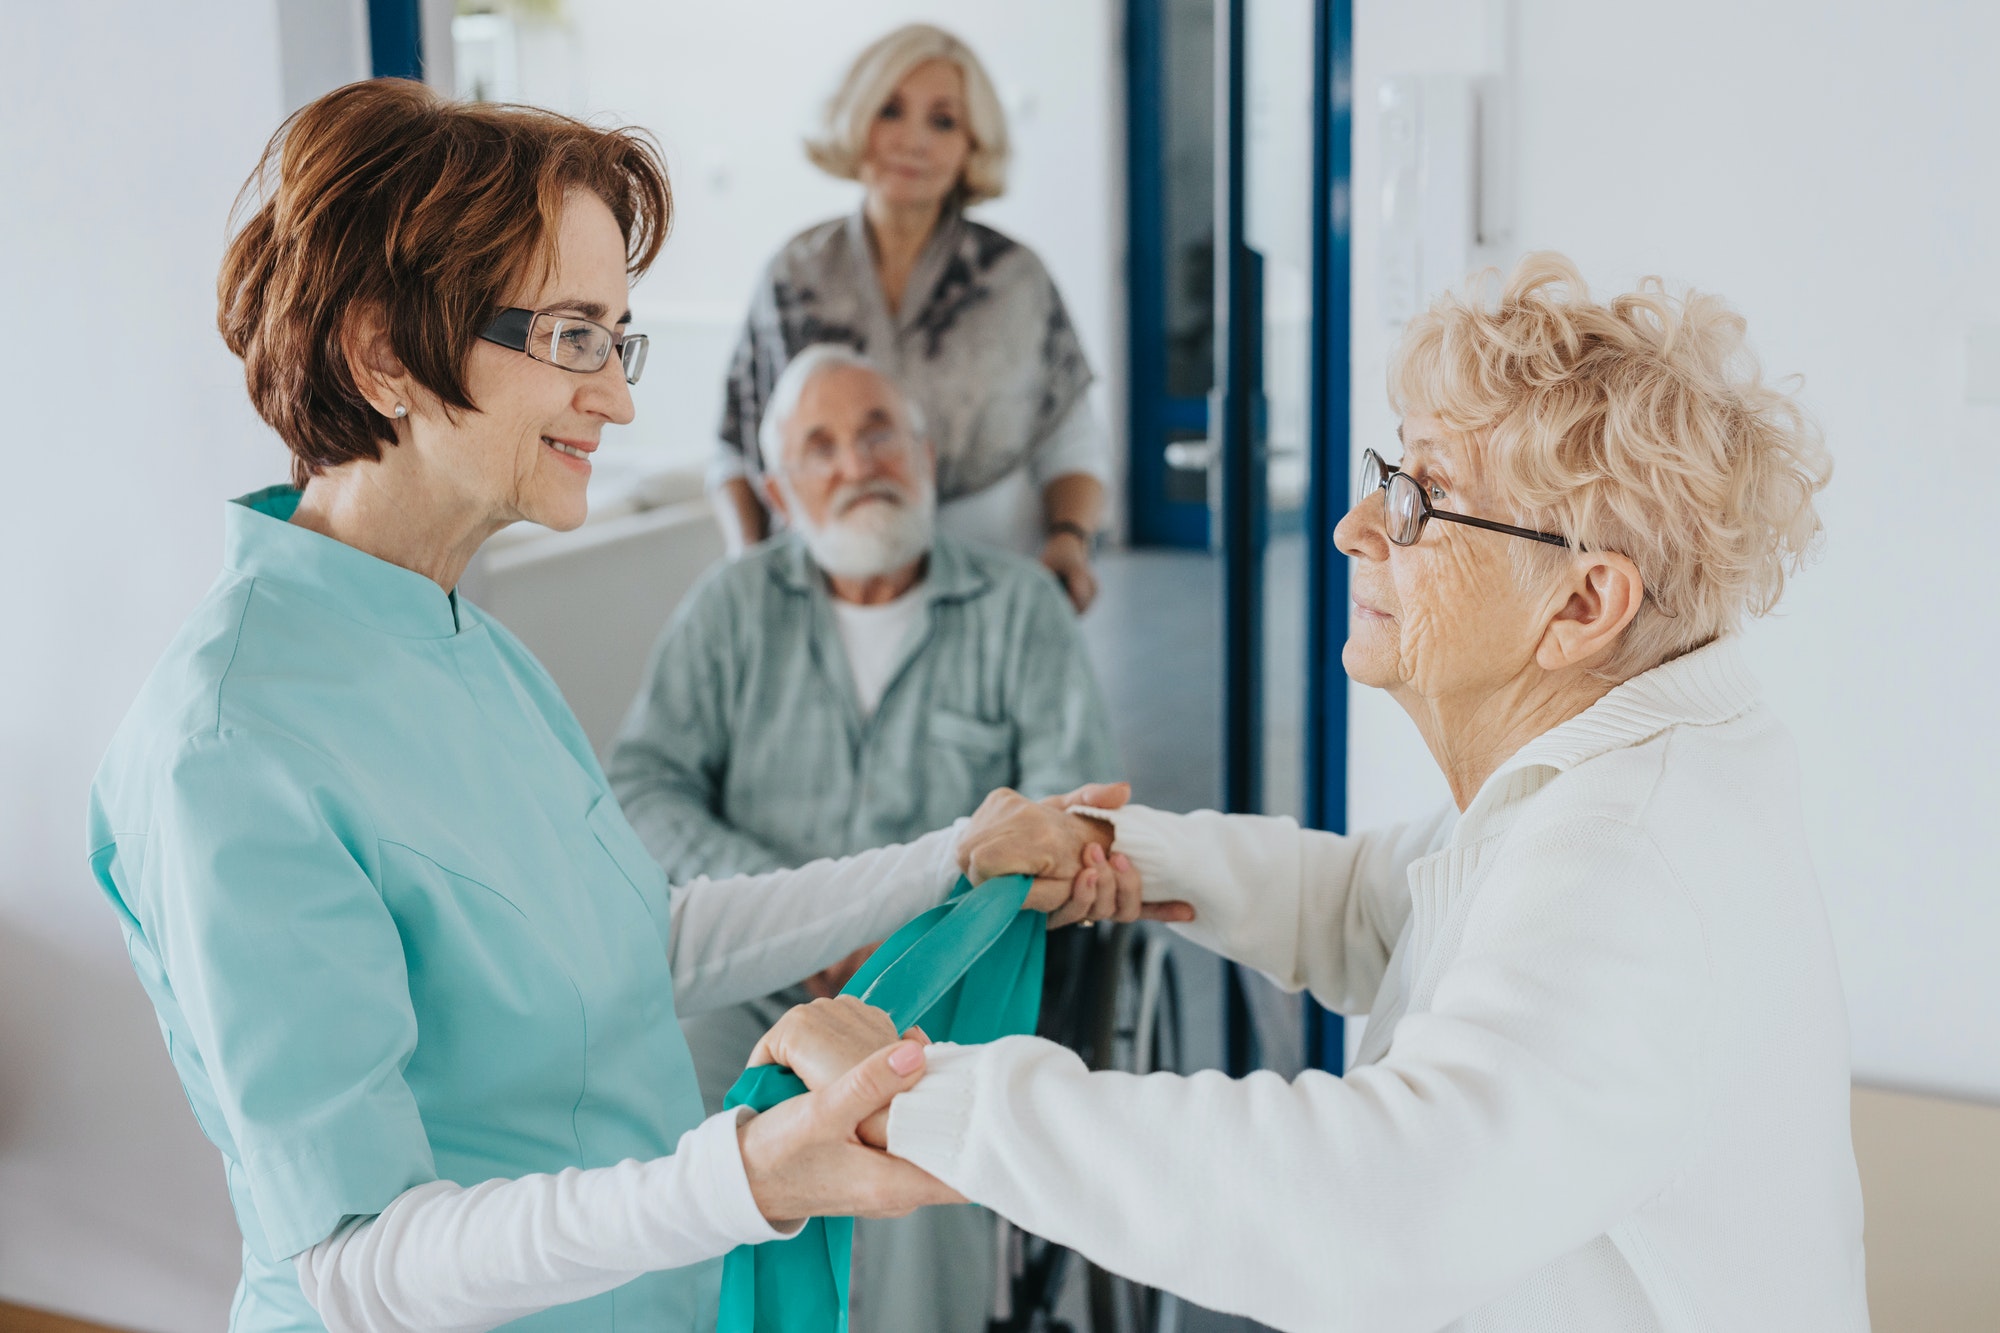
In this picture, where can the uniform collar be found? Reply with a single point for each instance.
(260, 541)
(951, 575)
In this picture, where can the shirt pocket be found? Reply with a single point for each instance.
(971, 734)
(968, 757)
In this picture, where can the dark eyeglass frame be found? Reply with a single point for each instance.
(514, 329)
(1373, 464)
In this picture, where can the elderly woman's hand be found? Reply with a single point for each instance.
(806, 1158)
(1077, 878)
(1109, 888)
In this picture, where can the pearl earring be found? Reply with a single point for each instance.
(400, 411)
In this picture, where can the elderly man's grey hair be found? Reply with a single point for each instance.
(801, 371)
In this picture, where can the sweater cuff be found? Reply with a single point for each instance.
(715, 1169)
(1145, 835)
(930, 1125)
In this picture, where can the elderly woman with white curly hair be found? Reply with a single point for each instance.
(1604, 1081)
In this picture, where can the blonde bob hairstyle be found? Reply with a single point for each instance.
(1641, 425)
(872, 80)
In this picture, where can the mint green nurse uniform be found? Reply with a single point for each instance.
(394, 925)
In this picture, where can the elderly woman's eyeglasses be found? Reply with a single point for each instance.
(574, 344)
(1406, 508)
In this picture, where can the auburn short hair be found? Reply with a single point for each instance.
(382, 194)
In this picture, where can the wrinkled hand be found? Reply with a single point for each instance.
(804, 1158)
(1067, 556)
(1109, 888)
(1077, 877)
(1012, 835)
(822, 1041)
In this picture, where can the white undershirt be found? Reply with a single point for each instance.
(873, 637)
(1011, 513)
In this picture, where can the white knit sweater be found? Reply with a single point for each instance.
(1604, 1083)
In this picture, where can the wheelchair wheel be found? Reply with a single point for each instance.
(1138, 1031)
(1112, 995)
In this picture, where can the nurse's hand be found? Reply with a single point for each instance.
(804, 1157)
(1077, 876)
(822, 1040)
(1012, 835)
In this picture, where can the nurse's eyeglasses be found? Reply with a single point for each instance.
(1406, 508)
(574, 344)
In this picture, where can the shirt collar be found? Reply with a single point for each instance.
(261, 542)
(951, 575)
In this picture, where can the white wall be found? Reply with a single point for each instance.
(1834, 171)
(128, 129)
(731, 90)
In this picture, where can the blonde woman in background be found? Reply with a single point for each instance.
(966, 320)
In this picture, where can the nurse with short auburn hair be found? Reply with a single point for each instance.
(417, 974)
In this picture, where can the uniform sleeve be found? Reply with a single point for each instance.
(1552, 1089)
(262, 899)
(1062, 722)
(672, 755)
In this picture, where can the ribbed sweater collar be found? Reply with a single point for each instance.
(1704, 687)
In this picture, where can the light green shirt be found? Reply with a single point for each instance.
(747, 749)
(393, 923)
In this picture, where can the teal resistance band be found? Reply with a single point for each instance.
(967, 971)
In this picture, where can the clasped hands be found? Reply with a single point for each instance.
(823, 1153)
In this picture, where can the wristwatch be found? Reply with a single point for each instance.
(1074, 529)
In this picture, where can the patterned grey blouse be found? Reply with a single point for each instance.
(982, 343)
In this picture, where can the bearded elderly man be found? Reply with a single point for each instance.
(855, 681)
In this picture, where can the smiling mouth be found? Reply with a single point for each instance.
(569, 450)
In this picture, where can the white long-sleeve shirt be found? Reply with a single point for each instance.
(1011, 513)
(1603, 1086)
(445, 1258)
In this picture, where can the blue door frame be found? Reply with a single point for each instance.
(1330, 416)
(396, 38)
(1153, 416)
(1243, 508)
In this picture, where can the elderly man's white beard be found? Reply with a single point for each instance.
(873, 528)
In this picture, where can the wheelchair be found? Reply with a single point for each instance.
(1111, 993)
